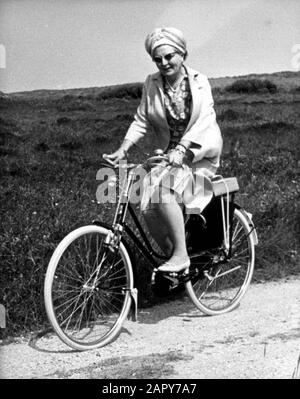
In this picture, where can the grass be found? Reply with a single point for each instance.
(51, 144)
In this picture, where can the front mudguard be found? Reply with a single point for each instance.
(133, 291)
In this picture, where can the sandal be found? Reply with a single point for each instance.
(173, 268)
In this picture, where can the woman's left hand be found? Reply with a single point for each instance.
(176, 157)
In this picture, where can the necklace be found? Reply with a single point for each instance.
(176, 84)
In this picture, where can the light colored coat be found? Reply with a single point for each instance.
(202, 130)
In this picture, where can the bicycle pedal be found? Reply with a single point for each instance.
(172, 277)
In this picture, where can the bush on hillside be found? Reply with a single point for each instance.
(216, 91)
(69, 103)
(132, 91)
(252, 86)
(228, 115)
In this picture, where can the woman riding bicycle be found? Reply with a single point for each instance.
(177, 106)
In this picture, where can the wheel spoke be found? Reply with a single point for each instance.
(222, 279)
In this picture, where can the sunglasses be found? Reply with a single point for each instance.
(168, 57)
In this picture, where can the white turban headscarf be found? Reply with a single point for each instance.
(165, 36)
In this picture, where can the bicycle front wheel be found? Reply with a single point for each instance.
(87, 288)
(219, 281)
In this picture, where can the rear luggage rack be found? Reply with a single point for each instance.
(223, 186)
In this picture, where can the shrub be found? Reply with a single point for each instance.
(43, 147)
(229, 115)
(252, 86)
(69, 103)
(216, 91)
(63, 120)
(273, 126)
(124, 91)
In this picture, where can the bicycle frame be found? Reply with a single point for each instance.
(124, 206)
(119, 224)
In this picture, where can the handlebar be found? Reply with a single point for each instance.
(156, 159)
(108, 160)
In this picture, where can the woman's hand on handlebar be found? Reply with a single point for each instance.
(120, 154)
(177, 157)
(116, 156)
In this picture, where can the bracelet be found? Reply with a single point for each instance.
(177, 148)
(177, 157)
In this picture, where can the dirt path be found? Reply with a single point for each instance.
(260, 339)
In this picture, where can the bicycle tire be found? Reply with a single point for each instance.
(219, 287)
(86, 309)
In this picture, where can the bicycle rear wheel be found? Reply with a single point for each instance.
(87, 288)
(218, 282)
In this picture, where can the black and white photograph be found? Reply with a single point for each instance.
(149, 193)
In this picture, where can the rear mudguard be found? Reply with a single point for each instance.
(248, 216)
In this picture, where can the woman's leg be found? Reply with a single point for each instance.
(166, 224)
(158, 230)
(171, 214)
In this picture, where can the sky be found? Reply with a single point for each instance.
(60, 44)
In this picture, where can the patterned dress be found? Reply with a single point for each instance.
(178, 109)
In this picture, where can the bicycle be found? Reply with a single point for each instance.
(90, 288)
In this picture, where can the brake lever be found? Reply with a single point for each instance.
(108, 160)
